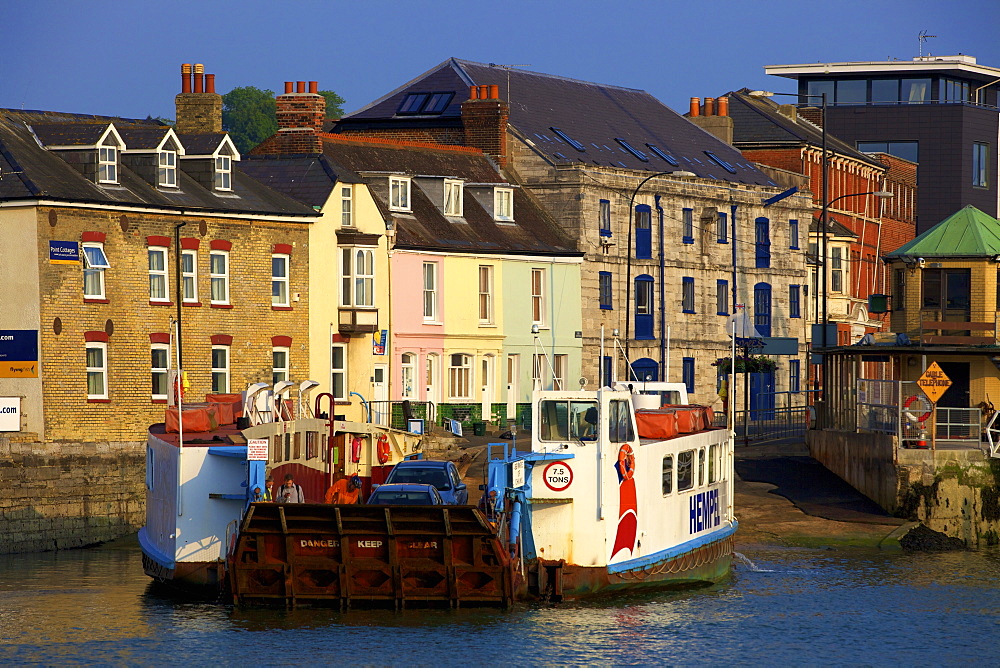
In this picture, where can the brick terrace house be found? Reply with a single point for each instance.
(115, 228)
(860, 228)
(662, 274)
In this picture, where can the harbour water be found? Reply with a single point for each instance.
(781, 606)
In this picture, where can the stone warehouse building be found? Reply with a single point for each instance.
(114, 230)
(661, 256)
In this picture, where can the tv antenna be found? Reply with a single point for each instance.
(921, 38)
(509, 68)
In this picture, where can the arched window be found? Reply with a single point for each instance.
(762, 308)
(644, 369)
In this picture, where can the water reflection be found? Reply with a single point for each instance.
(797, 606)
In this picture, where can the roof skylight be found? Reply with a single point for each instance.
(662, 154)
(720, 162)
(425, 103)
(569, 140)
(631, 149)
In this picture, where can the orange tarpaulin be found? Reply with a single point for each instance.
(235, 399)
(196, 419)
(656, 424)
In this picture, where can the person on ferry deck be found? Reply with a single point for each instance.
(344, 490)
(290, 492)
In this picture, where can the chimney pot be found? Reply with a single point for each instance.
(210, 83)
(723, 106)
(494, 92)
(710, 106)
(695, 109)
(300, 87)
(473, 93)
(186, 78)
(199, 78)
(289, 87)
(314, 87)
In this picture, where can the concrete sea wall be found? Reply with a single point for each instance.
(956, 492)
(64, 495)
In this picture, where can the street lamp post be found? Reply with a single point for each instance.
(825, 204)
(628, 258)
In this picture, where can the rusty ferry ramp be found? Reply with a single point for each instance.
(369, 556)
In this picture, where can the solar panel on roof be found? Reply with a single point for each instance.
(569, 140)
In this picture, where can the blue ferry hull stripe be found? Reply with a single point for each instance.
(673, 552)
(153, 553)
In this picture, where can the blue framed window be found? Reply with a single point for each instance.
(643, 233)
(687, 373)
(644, 307)
(722, 297)
(793, 234)
(794, 374)
(604, 286)
(762, 308)
(606, 369)
(687, 226)
(722, 228)
(794, 301)
(605, 217)
(762, 243)
(687, 294)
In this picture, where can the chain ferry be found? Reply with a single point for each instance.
(615, 491)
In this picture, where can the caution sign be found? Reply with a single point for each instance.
(257, 449)
(934, 382)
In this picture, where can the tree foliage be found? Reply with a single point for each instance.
(334, 104)
(248, 114)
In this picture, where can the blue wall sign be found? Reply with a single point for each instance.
(64, 252)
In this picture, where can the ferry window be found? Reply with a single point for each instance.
(311, 448)
(701, 467)
(713, 452)
(276, 448)
(685, 477)
(668, 474)
(563, 420)
(150, 463)
(620, 421)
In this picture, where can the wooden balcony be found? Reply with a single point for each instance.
(941, 333)
(358, 321)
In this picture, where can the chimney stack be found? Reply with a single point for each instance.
(714, 119)
(199, 107)
(300, 116)
(484, 118)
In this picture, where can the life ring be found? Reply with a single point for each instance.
(382, 449)
(911, 415)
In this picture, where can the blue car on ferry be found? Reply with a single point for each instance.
(443, 475)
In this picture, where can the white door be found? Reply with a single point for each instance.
(432, 385)
(486, 384)
(513, 385)
(380, 395)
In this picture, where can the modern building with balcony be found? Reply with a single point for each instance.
(938, 111)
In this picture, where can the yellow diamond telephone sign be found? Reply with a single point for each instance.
(933, 382)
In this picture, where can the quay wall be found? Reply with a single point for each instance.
(956, 492)
(63, 495)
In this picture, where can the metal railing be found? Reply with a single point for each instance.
(896, 407)
(776, 424)
(390, 413)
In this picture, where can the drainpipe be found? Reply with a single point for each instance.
(663, 296)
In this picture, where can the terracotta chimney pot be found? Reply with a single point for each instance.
(695, 109)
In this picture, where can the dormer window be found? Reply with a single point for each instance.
(107, 165)
(168, 169)
(223, 172)
(452, 198)
(503, 204)
(399, 193)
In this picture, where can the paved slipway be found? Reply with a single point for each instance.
(783, 496)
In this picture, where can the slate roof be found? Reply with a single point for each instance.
(757, 122)
(29, 171)
(308, 178)
(201, 143)
(593, 115)
(426, 227)
(966, 233)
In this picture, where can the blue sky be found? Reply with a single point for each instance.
(123, 58)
